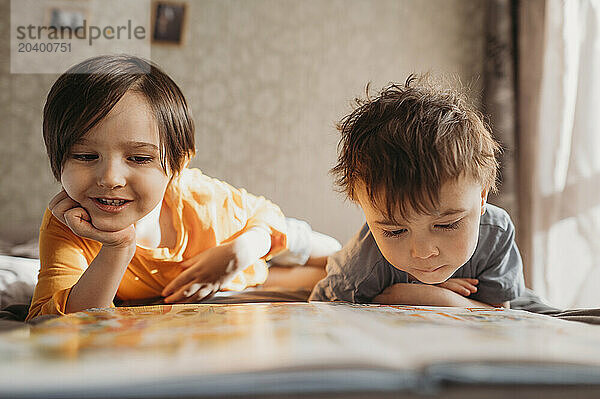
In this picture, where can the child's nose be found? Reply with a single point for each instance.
(423, 248)
(111, 175)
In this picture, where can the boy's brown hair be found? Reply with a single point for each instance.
(409, 140)
(83, 95)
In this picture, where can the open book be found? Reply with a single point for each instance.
(290, 347)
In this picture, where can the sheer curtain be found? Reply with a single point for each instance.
(562, 157)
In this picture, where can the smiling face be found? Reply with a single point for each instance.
(114, 171)
(431, 247)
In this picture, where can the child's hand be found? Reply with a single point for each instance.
(74, 216)
(205, 274)
(462, 286)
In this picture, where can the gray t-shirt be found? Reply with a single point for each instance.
(359, 272)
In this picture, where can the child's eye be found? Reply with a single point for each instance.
(84, 157)
(140, 159)
(450, 226)
(394, 233)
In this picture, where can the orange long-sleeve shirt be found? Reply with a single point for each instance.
(206, 213)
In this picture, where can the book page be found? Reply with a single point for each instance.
(139, 345)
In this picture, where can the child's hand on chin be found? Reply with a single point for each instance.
(74, 216)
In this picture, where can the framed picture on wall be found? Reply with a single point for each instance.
(168, 22)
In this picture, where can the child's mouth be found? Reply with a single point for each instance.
(111, 205)
(434, 269)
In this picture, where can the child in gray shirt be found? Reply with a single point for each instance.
(420, 162)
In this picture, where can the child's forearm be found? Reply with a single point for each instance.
(424, 295)
(98, 285)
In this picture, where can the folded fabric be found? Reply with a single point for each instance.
(18, 277)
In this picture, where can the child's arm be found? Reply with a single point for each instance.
(98, 285)
(462, 286)
(250, 228)
(322, 247)
(466, 287)
(424, 295)
(306, 247)
(208, 271)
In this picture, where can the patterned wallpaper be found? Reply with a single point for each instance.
(266, 80)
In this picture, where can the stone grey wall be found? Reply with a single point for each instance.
(266, 80)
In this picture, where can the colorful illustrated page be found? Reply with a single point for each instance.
(137, 345)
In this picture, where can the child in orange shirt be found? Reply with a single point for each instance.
(132, 222)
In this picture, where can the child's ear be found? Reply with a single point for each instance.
(484, 194)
